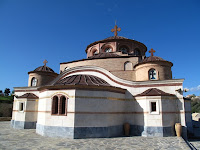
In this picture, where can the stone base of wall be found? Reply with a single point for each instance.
(103, 132)
(55, 131)
(98, 132)
(23, 124)
(152, 131)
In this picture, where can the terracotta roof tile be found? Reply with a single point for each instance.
(29, 95)
(153, 58)
(154, 92)
(104, 55)
(44, 69)
(82, 80)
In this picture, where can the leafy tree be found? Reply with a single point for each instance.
(1, 93)
(7, 91)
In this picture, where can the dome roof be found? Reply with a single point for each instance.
(115, 37)
(82, 80)
(153, 58)
(44, 69)
(104, 55)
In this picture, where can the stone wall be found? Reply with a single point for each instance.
(114, 65)
(6, 108)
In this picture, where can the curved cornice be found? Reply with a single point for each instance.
(99, 72)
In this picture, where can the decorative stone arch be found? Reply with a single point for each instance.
(153, 74)
(59, 104)
(105, 46)
(137, 52)
(128, 66)
(122, 48)
(34, 81)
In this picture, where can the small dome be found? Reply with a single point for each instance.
(82, 80)
(104, 55)
(44, 69)
(153, 58)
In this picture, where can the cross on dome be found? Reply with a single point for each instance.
(115, 29)
(45, 62)
(152, 51)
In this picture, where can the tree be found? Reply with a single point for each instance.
(1, 93)
(7, 91)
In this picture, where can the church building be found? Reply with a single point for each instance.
(96, 96)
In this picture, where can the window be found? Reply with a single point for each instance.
(21, 106)
(137, 52)
(152, 74)
(95, 52)
(63, 105)
(128, 65)
(34, 82)
(59, 105)
(153, 106)
(108, 49)
(124, 50)
(55, 105)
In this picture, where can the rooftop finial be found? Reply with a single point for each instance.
(115, 29)
(45, 62)
(152, 51)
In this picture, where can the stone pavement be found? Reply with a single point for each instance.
(13, 139)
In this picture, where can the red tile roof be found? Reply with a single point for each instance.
(154, 92)
(29, 95)
(44, 69)
(82, 80)
(104, 55)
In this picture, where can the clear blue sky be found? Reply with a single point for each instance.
(60, 30)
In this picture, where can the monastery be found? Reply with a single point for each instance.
(96, 96)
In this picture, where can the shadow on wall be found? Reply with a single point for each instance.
(136, 116)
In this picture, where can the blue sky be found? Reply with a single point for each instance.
(60, 30)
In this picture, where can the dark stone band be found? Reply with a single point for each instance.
(102, 132)
(23, 124)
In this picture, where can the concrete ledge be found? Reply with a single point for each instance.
(5, 118)
(23, 124)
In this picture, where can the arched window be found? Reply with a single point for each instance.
(128, 65)
(152, 74)
(108, 49)
(34, 82)
(62, 105)
(123, 49)
(137, 52)
(94, 52)
(55, 105)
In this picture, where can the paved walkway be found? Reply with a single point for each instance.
(13, 139)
